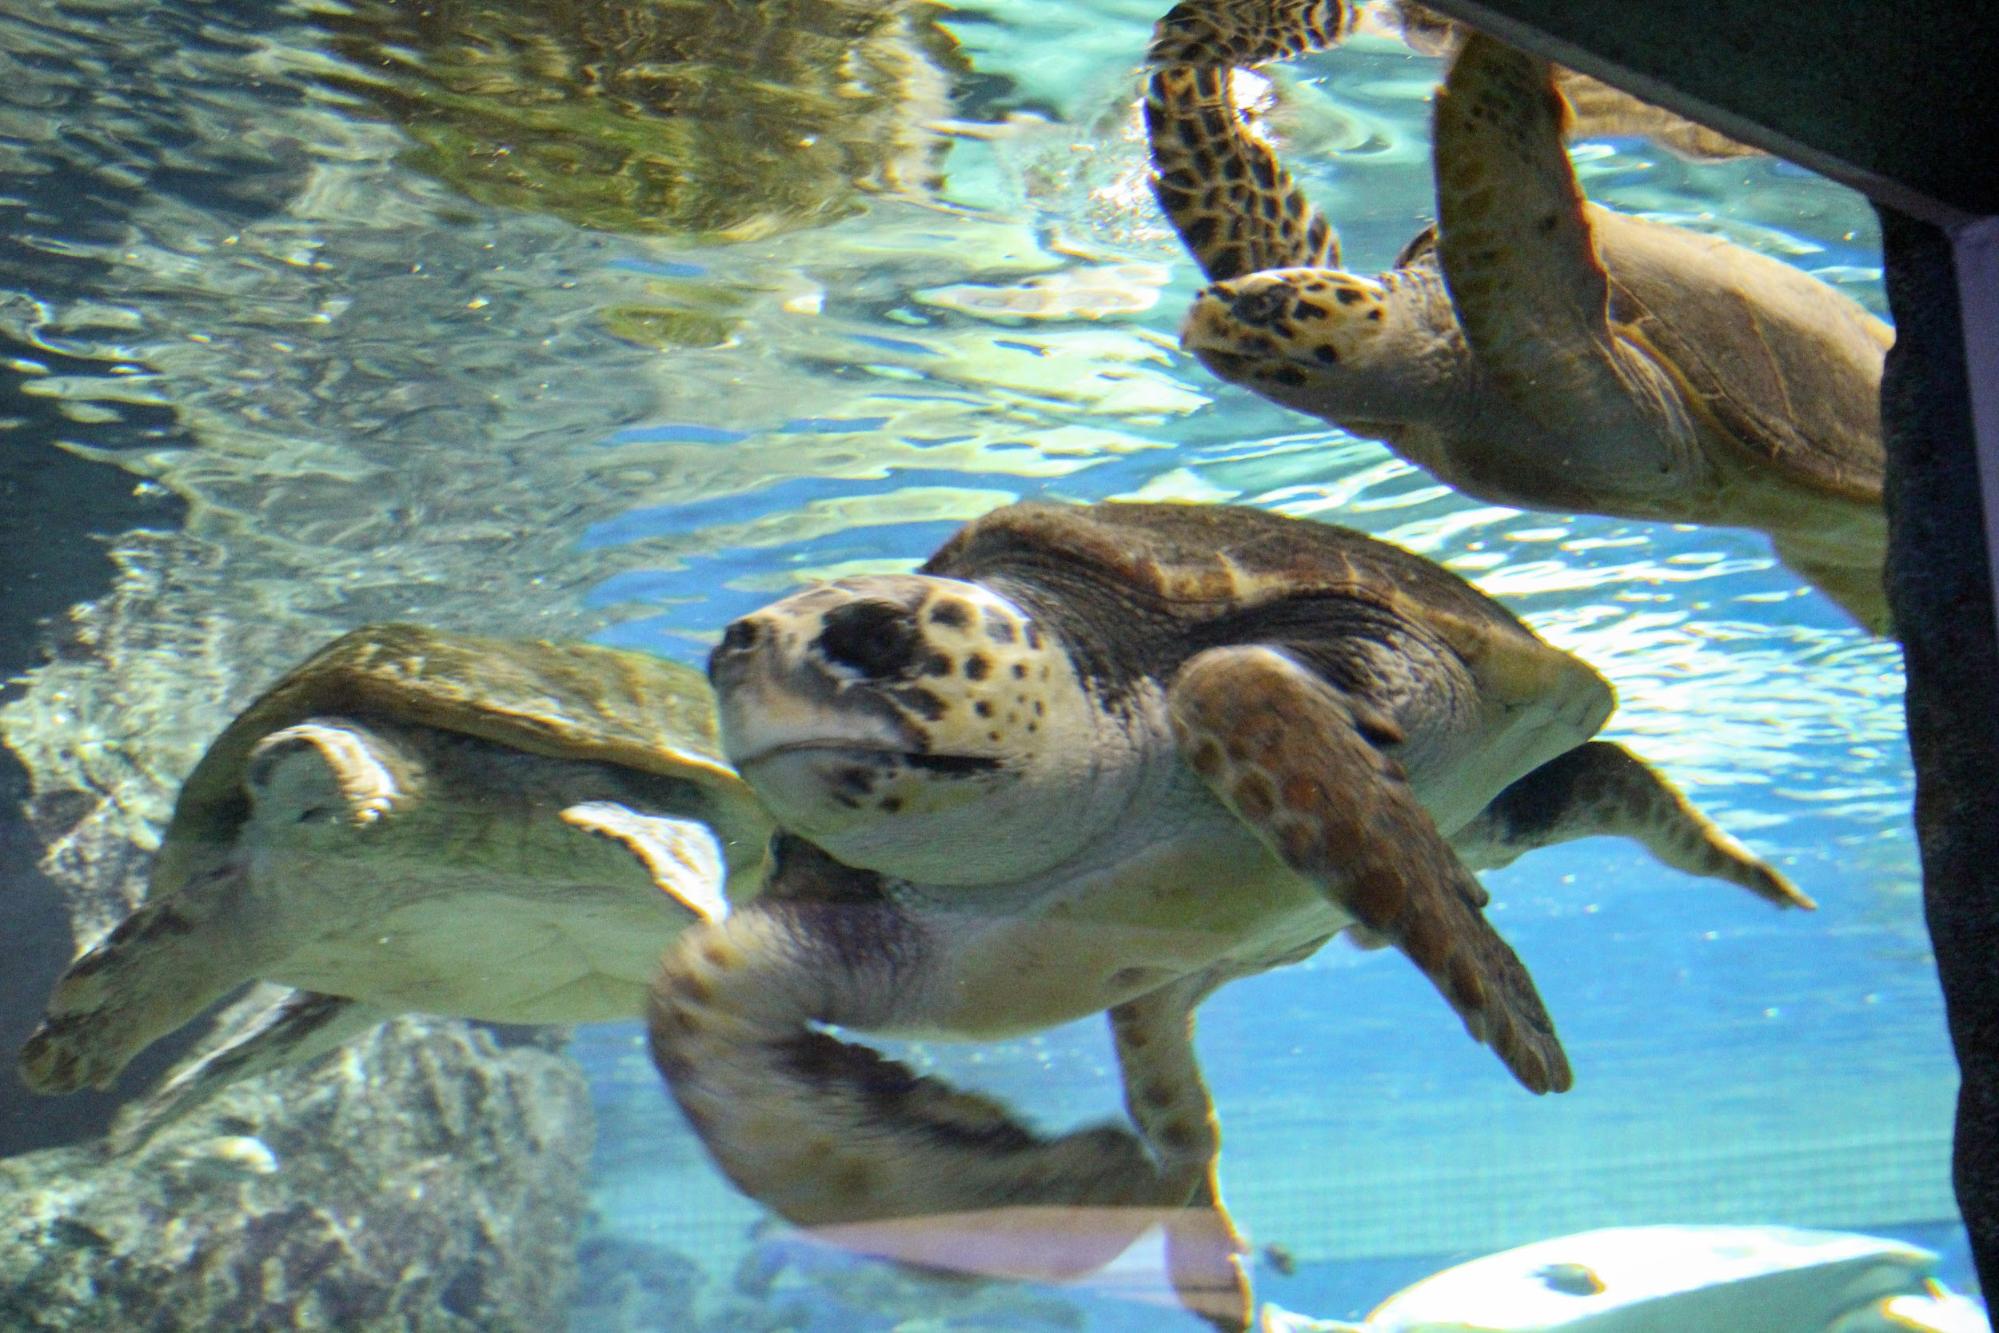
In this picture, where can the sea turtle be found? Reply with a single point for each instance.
(1741, 1279)
(683, 117)
(1531, 349)
(415, 819)
(1107, 757)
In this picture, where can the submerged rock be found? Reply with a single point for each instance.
(425, 1177)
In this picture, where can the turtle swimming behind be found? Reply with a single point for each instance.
(1110, 757)
(1700, 1279)
(418, 820)
(1532, 349)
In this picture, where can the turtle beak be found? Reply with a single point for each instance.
(790, 677)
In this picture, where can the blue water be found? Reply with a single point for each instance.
(377, 387)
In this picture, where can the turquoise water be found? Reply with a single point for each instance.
(326, 339)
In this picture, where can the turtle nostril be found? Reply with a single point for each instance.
(1261, 306)
(873, 638)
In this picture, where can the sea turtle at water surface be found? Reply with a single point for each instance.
(418, 820)
(1109, 757)
(1675, 1279)
(1531, 349)
(688, 118)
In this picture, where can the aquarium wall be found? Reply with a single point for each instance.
(609, 325)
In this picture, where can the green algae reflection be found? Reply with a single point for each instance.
(713, 119)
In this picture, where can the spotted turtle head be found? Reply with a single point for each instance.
(924, 727)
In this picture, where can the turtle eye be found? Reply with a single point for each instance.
(874, 638)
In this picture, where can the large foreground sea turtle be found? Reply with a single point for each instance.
(1107, 758)
(418, 820)
(1532, 349)
(1700, 1279)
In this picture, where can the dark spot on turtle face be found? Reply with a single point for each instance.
(1375, 313)
(1033, 635)
(984, 708)
(1020, 671)
(938, 664)
(1000, 631)
(1326, 353)
(1289, 376)
(892, 805)
(951, 612)
(1348, 295)
(1260, 306)
(741, 636)
(1307, 310)
(919, 700)
(978, 666)
(1547, 224)
(855, 779)
(873, 638)
(952, 765)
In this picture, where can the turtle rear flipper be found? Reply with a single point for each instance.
(1296, 759)
(1517, 245)
(1166, 1097)
(1602, 788)
(300, 1026)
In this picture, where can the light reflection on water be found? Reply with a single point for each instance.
(409, 403)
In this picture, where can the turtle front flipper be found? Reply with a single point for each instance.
(1519, 254)
(1234, 205)
(1602, 788)
(157, 970)
(1297, 759)
(1168, 1100)
(300, 1026)
(828, 1133)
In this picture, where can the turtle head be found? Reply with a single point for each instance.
(908, 724)
(1365, 353)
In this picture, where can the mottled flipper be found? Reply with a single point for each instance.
(1236, 208)
(159, 969)
(1602, 788)
(184, 950)
(1296, 759)
(299, 1027)
(1168, 1100)
(1515, 237)
(831, 1134)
